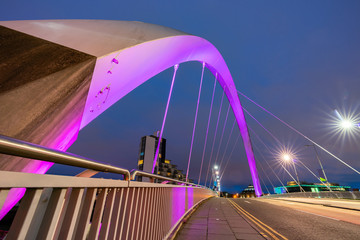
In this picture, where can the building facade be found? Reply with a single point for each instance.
(292, 186)
(147, 150)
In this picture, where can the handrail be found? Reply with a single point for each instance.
(15, 147)
(135, 173)
(19, 148)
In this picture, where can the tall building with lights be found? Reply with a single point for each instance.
(147, 150)
(148, 145)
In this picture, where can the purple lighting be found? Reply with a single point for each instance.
(212, 148)
(207, 128)
(135, 65)
(139, 63)
(196, 113)
(163, 123)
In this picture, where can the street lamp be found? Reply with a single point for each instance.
(317, 156)
(216, 177)
(347, 123)
(288, 158)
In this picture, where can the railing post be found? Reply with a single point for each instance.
(52, 214)
(186, 199)
(20, 227)
(66, 228)
(98, 213)
(85, 214)
(109, 207)
(115, 216)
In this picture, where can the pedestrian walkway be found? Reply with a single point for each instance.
(217, 219)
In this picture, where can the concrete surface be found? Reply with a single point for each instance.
(217, 219)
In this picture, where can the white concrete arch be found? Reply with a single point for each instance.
(128, 54)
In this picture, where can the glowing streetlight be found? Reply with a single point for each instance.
(286, 157)
(346, 124)
(217, 172)
(216, 167)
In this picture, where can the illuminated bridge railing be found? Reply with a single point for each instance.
(64, 207)
(333, 194)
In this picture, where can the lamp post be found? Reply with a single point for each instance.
(317, 156)
(216, 174)
(347, 123)
(287, 158)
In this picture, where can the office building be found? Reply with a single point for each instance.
(148, 145)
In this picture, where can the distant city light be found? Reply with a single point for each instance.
(216, 167)
(217, 172)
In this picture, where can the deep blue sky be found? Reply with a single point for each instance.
(299, 59)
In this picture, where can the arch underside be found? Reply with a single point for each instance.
(118, 72)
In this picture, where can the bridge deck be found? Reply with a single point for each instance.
(217, 219)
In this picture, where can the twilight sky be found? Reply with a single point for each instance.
(298, 59)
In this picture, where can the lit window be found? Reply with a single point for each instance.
(140, 162)
(167, 161)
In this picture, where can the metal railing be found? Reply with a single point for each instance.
(63, 207)
(15, 147)
(332, 194)
(152, 177)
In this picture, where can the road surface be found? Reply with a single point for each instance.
(281, 219)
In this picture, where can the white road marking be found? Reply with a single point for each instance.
(318, 215)
(247, 201)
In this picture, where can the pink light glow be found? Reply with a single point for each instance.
(139, 63)
(178, 204)
(134, 66)
(156, 157)
(196, 113)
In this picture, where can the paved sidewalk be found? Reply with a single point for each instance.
(216, 219)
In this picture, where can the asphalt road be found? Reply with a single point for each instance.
(304, 221)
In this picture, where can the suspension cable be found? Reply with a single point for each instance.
(272, 135)
(156, 157)
(196, 113)
(222, 135)
(207, 128)
(212, 148)
(227, 144)
(298, 132)
(276, 140)
(227, 161)
(261, 181)
(266, 175)
(314, 175)
(253, 132)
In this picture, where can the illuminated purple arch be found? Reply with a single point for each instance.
(127, 54)
(141, 62)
